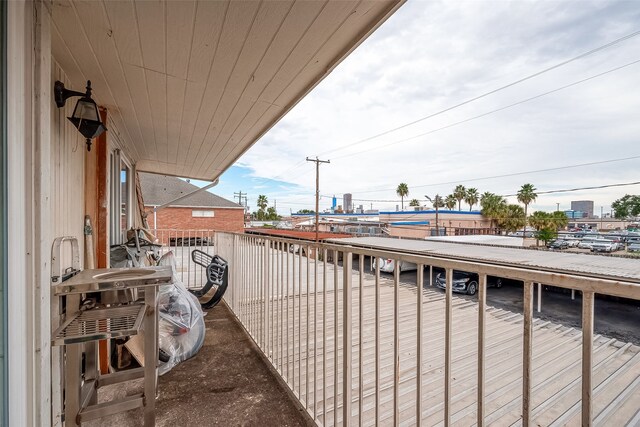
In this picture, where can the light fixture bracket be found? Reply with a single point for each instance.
(85, 117)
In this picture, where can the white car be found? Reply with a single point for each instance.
(389, 265)
(603, 246)
(586, 244)
(573, 243)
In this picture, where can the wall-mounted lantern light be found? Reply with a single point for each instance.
(85, 116)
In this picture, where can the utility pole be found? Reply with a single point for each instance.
(436, 203)
(557, 207)
(239, 195)
(601, 215)
(317, 161)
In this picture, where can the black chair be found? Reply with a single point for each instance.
(217, 271)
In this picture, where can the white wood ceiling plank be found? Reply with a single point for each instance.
(190, 109)
(176, 89)
(157, 90)
(267, 23)
(210, 17)
(209, 21)
(238, 22)
(181, 17)
(137, 83)
(62, 55)
(124, 27)
(150, 16)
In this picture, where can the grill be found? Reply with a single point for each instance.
(99, 324)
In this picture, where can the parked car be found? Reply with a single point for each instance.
(603, 246)
(586, 243)
(389, 265)
(466, 282)
(573, 243)
(558, 244)
(633, 247)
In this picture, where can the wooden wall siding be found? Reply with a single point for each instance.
(191, 85)
(67, 173)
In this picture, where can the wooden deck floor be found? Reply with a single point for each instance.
(296, 346)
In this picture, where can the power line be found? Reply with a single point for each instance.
(597, 187)
(512, 174)
(491, 92)
(489, 112)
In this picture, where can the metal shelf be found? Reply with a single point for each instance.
(100, 323)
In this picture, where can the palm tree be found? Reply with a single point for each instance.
(402, 191)
(459, 193)
(540, 221)
(450, 202)
(414, 202)
(493, 207)
(511, 218)
(559, 220)
(262, 205)
(526, 195)
(472, 197)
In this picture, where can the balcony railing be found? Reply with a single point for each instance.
(358, 347)
(182, 242)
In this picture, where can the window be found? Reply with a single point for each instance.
(202, 213)
(122, 191)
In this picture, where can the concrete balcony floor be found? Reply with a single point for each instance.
(226, 384)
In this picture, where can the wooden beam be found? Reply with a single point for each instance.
(101, 221)
(102, 208)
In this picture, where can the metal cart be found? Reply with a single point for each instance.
(81, 328)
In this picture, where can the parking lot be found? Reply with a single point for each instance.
(614, 317)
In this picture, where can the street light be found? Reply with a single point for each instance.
(436, 204)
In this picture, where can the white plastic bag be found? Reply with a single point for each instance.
(181, 321)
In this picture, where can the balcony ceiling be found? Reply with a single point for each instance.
(191, 85)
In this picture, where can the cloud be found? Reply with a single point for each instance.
(432, 55)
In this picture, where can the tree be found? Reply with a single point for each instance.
(546, 235)
(414, 202)
(402, 191)
(541, 221)
(627, 206)
(471, 197)
(526, 195)
(272, 214)
(262, 205)
(511, 218)
(559, 220)
(438, 202)
(459, 193)
(306, 211)
(450, 202)
(492, 207)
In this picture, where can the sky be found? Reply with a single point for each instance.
(434, 55)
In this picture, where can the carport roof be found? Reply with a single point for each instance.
(605, 267)
(190, 85)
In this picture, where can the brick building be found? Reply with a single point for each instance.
(201, 211)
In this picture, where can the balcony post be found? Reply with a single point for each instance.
(587, 356)
(347, 261)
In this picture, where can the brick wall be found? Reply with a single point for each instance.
(181, 218)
